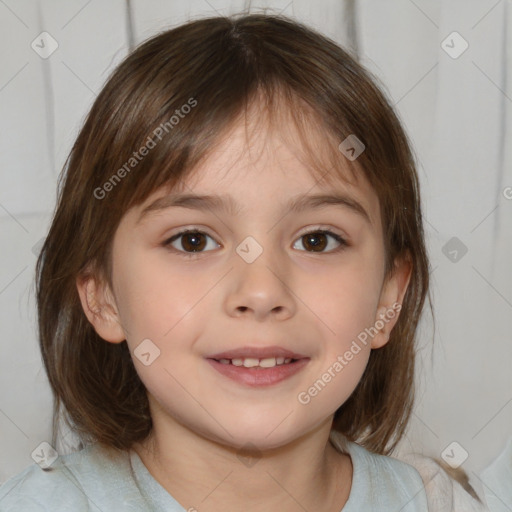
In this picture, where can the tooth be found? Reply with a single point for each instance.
(250, 362)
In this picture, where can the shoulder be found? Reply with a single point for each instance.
(414, 482)
(386, 474)
(72, 482)
(380, 482)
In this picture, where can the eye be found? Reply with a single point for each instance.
(190, 240)
(318, 240)
(195, 241)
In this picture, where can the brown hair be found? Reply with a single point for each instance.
(217, 66)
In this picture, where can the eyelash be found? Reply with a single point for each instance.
(167, 243)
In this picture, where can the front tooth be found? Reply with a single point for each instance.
(280, 360)
(251, 363)
(237, 362)
(268, 363)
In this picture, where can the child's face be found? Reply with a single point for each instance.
(312, 303)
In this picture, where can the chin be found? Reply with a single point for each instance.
(259, 437)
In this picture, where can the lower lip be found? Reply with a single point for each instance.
(259, 377)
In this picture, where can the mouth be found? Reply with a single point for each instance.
(258, 366)
(252, 362)
(260, 353)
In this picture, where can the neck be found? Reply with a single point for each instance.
(306, 474)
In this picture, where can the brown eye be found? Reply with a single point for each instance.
(190, 240)
(193, 242)
(318, 241)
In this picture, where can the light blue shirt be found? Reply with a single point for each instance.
(89, 480)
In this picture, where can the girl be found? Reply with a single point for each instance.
(230, 288)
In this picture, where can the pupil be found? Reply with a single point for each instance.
(193, 240)
(319, 244)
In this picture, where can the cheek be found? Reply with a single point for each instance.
(153, 297)
(346, 298)
(334, 385)
(345, 303)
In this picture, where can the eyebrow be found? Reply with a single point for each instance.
(228, 205)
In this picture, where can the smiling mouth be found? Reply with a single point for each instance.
(256, 372)
(251, 362)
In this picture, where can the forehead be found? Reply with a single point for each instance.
(271, 162)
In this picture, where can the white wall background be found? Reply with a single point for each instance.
(456, 110)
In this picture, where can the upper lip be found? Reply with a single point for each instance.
(257, 353)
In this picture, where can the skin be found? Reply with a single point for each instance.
(314, 303)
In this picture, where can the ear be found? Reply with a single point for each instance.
(391, 298)
(100, 308)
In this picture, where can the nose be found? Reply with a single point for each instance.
(261, 289)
